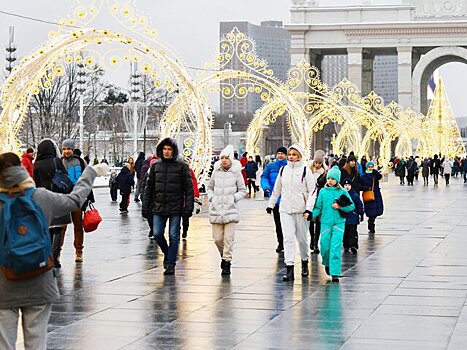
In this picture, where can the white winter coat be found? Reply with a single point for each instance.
(224, 190)
(447, 167)
(297, 194)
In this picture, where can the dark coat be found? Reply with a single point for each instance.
(251, 168)
(435, 165)
(426, 168)
(374, 208)
(169, 187)
(356, 183)
(139, 164)
(44, 168)
(125, 181)
(353, 218)
(44, 171)
(401, 168)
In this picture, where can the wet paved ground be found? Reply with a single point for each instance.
(406, 288)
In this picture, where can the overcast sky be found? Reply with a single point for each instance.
(191, 27)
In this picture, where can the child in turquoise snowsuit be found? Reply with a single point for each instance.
(332, 223)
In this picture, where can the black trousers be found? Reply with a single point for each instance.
(315, 232)
(113, 193)
(350, 236)
(371, 224)
(277, 221)
(446, 178)
(402, 179)
(56, 240)
(185, 223)
(125, 201)
(435, 178)
(252, 183)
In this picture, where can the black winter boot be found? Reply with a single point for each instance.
(225, 266)
(305, 271)
(289, 276)
(335, 279)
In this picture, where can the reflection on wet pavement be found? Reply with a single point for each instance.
(405, 289)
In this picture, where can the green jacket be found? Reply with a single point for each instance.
(323, 206)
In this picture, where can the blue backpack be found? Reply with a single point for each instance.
(61, 182)
(25, 248)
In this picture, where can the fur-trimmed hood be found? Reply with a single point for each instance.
(167, 142)
(235, 168)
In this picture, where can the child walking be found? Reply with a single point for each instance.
(332, 221)
(296, 186)
(226, 187)
(125, 182)
(113, 185)
(353, 219)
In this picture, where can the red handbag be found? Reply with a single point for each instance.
(91, 219)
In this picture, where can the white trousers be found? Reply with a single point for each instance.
(34, 321)
(294, 227)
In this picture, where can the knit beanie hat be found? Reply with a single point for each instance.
(351, 158)
(370, 163)
(228, 151)
(334, 173)
(68, 143)
(282, 149)
(319, 156)
(347, 181)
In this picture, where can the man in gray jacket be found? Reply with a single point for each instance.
(34, 296)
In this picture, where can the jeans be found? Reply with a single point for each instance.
(170, 250)
(34, 321)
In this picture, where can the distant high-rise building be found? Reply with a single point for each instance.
(272, 44)
(334, 69)
(385, 77)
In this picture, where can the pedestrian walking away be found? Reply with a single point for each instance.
(138, 166)
(332, 203)
(113, 185)
(435, 167)
(447, 169)
(251, 168)
(27, 160)
(295, 184)
(48, 162)
(226, 187)
(374, 208)
(33, 297)
(125, 181)
(425, 171)
(268, 180)
(168, 196)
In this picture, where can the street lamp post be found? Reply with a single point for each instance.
(11, 50)
(227, 130)
(81, 82)
(135, 95)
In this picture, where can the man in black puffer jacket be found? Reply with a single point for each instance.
(168, 195)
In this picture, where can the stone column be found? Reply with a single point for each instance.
(404, 76)
(354, 66)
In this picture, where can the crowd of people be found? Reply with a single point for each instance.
(318, 204)
(409, 168)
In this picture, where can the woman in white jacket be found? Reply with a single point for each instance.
(447, 169)
(296, 186)
(226, 187)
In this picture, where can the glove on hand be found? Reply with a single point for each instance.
(269, 210)
(101, 169)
